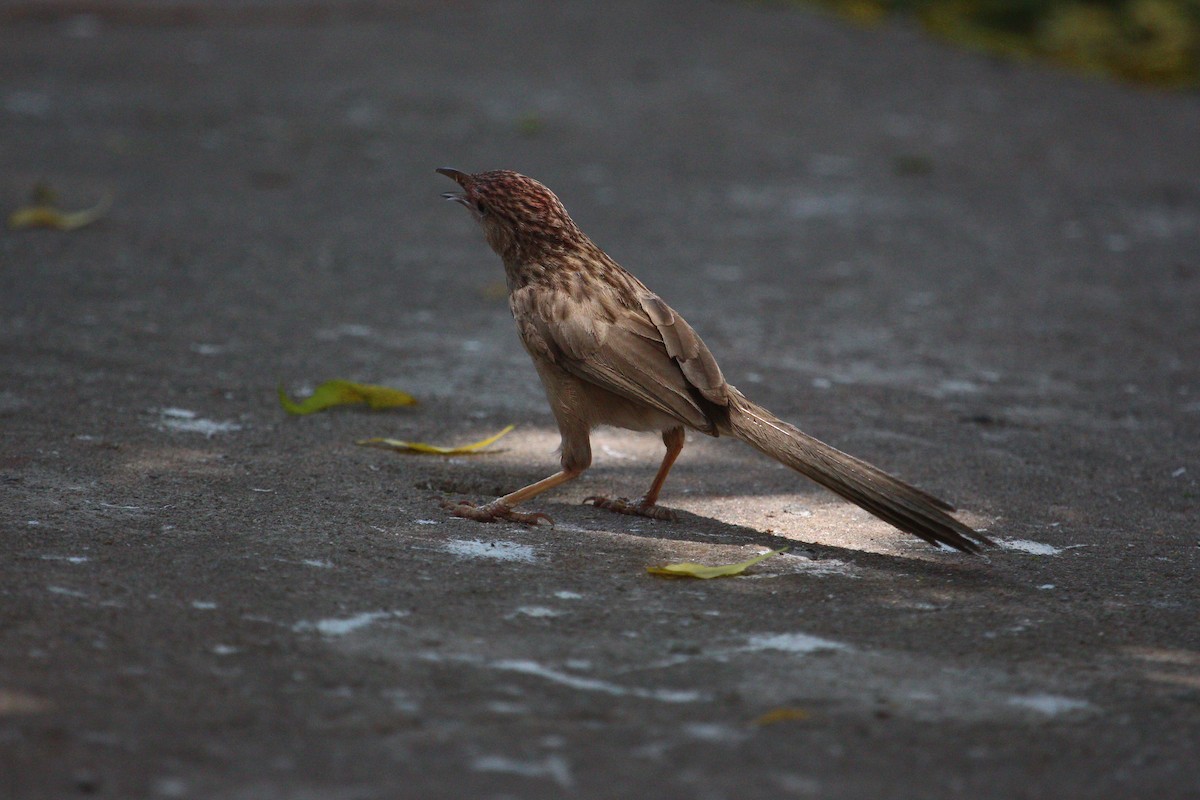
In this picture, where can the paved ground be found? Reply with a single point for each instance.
(982, 276)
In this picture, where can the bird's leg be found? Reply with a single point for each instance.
(645, 506)
(576, 457)
(502, 507)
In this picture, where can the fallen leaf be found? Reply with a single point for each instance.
(345, 393)
(689, 570)
(42, 213)
(432, 449)
(784, 714)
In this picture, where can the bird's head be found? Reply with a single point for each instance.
(520, 217)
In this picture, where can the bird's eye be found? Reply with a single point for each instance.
(481, 207)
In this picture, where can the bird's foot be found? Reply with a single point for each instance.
(638, 508)
(493, 511)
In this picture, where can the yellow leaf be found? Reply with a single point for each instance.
(43, 214)
(688, 570)
(784, 714)
(346, 393)
(432, 449)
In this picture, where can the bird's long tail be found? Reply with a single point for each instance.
(887, 497)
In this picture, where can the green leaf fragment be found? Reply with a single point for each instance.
(42, 213)
(433, 449)
(346, 393)
(690, 570)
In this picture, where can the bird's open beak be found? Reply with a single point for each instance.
(462, 179)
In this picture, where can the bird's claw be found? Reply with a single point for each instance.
(637, 508)
(493, 512)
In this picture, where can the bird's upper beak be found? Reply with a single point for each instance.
(457, 176)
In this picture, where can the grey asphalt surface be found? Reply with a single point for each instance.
(982, 276)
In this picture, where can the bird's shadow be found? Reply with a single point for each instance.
(689, 527)
(483, 485)
(699, 529)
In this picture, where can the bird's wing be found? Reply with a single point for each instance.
(646, 353)
(687, 349)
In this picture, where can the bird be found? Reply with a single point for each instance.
(609, 351)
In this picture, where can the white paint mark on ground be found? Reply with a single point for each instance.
(427, 522)
(1027, 546)
(568, 595)
(340, 626)
(822, 207)
(799, 643)
(319, 563)
(402, 701)
(225, 649)
(351, 329)
(182, 420)
(64, 591)
(68, 559)
(1049, 704)
(920, 605)
(956, 386)
(537, 611)
(28, 104)
(713, 732)
(171, 787)
(499, 550)
(798, 785)
(10, 402)
(593, 685)
(554, 767)
(203, 605)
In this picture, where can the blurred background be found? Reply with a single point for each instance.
(1156, 42)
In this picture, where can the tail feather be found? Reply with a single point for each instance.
(906, 507)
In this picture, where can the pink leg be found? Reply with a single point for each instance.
(502, 507)
(645, 506)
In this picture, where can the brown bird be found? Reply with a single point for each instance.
(610, 352)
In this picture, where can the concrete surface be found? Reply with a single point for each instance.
(980, 275)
